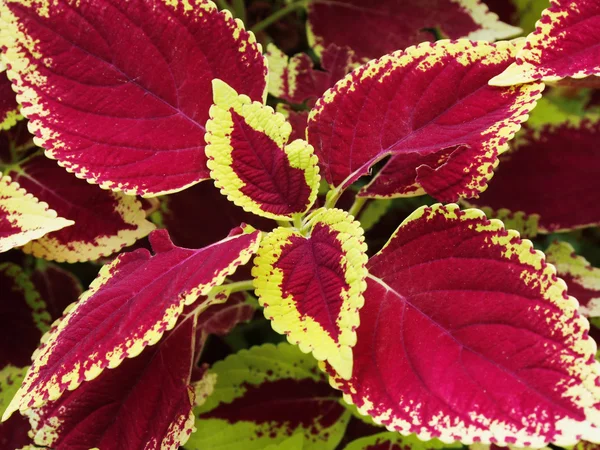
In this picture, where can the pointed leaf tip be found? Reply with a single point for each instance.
(160, 241)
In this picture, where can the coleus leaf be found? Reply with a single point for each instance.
(146, 292)
(558, 194)
(57, 287)
(251, 161)
(119, 92)
(13, 434)
(23, 316)
(105, 221)
(431, 108)
(23, 217)
(184, 215)
(295, 80)
(398, 24)
(220, 319)
(297, 119)
(311, 285)
(265, 395)
(395, 441)
(522, 13)
(564, 44)
(144, 404)
(467, 334)
(9, 108)
(582, 279)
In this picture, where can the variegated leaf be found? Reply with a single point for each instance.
(23, 217)
(266, 395)
(119, 91)
(147, 293)
(467, 334)
(9, 108)
(251, 160)
(430, 107)
(311, 284)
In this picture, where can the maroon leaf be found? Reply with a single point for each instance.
(146, 403)
(119, 92)
(57, 287)
(221, 319)
(105, 221)
(9, 108)
(467, 334)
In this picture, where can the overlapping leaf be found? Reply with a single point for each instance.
(105, 221)
(311, 286)
(467, 334)
(564, 44)
(119, 92)
(57, 287)
(550, 176)
(23, 217)
(431, 108)
(220, 319)
(144, 404)
(395, 441)
(9, 108)
(295, 80)
(582, 279)
(144, 294)
(373, 29)
(521, 13)
(251, 161)
(264, 396)
(297, 119)
(23, 316)
(184, 214)
(13, 434)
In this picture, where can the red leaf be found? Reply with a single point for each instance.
(9, 108)
(105, 221)
(144, 404)
(119, 92)
(144, 294)
(420, 106)
(552, 172)
(297, 119)
(373, 29)
(221, 319)
(57, 287)
(467, 334)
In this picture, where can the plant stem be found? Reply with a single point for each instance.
(277, 15)
(298, 221)
(222, 4)
(240, 10)
(359, 202)
(239, 286)
(283, 223)
(332, 197)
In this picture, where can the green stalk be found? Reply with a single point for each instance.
(277, 15)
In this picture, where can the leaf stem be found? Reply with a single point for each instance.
(298, 221)
(332, 197)
(222, 4)
(356, 207)
(284, 223)
(240, 9)
(277, 15)
(239, 286)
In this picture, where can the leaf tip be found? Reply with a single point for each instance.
(223, 94)
(160, 241)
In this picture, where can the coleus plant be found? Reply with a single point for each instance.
(151, 118)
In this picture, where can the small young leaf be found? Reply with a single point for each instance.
(395, 441)
(23, 217)
(144, 404)
(9, 108)
(582, 279)
(295, 80)
(373, 29)
(264, 396)
(311, 286)
(119, 91)
(430, 107)
(251, 161)
(467, 334)
(105, 221)
(144, 293)
(550, 174)
(23, 316)
(564, 44)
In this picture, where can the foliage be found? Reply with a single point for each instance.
(208, 246)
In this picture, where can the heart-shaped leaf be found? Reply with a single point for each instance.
(264, 396)
(467, 334)
(251, 161)
(311, 286)
(582, 279)
(373, 29)
(430, 108)
(564, 44)
(119, 91)
(105, 221)
(23, 217)
(144, 404)
(144, 294)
